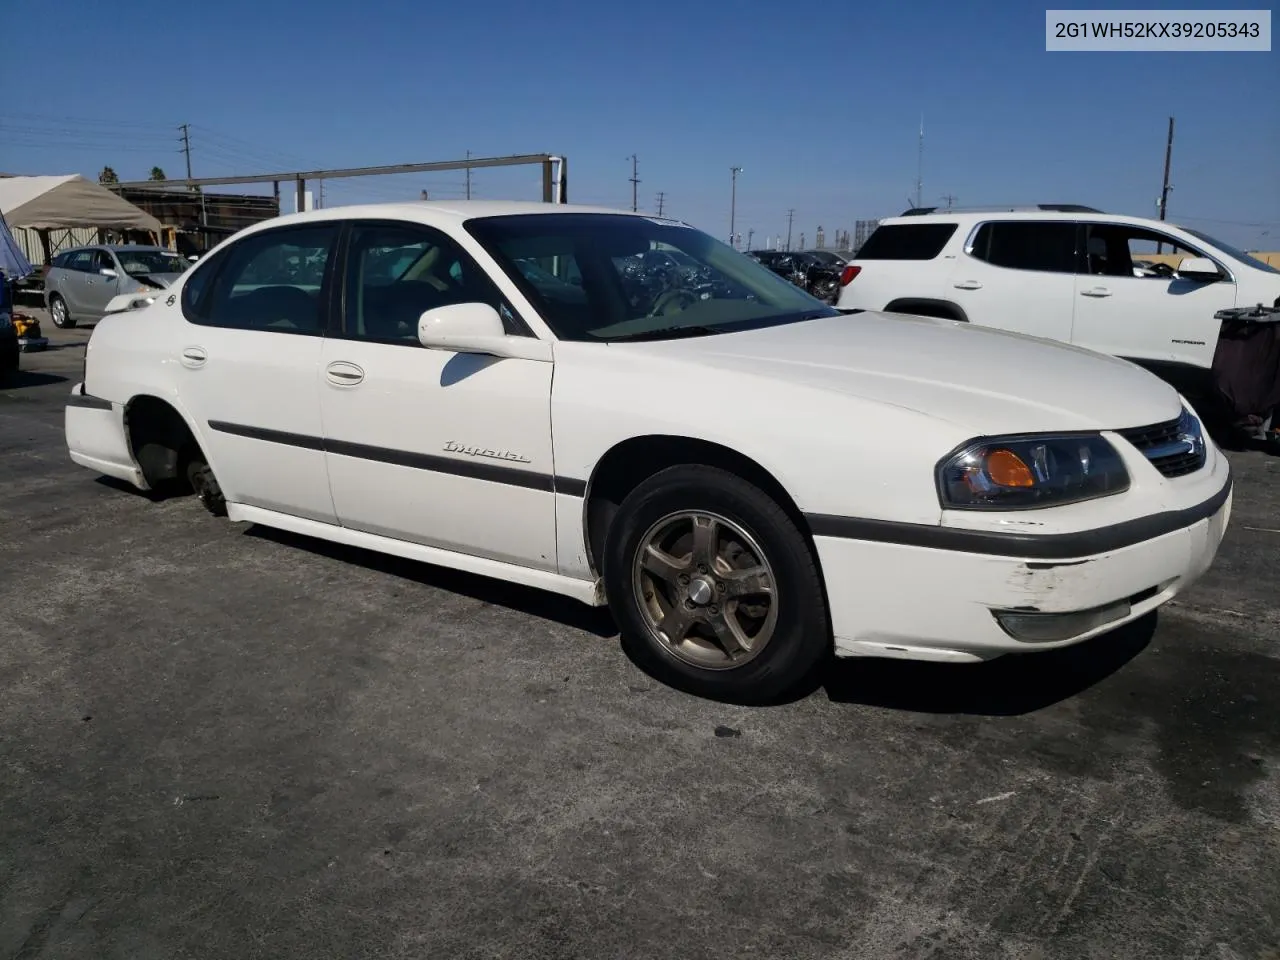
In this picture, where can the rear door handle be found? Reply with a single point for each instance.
(1096, 292)
(968, 285)
(194, 357)
(343, 374)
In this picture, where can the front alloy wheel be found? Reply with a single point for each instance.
(715, 589)
(705, 589)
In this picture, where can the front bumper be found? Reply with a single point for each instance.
(925, 603)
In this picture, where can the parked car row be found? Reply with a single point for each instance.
(626, 411)
(82, 281)
(817, 272)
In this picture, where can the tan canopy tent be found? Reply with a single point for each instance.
(70, 201)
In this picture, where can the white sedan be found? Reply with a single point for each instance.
(750, 479)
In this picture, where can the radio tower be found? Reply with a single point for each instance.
(920, 165)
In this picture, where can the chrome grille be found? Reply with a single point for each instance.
(1175, 448)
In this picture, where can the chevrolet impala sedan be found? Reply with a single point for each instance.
(750, 480)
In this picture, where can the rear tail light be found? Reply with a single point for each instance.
(847, 275)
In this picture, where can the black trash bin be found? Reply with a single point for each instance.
(1246, 368)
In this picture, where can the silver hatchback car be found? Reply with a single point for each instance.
(82, 281)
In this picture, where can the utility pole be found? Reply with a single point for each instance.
(1164, 190)
(635, 181)
(661, 197)
(733, 204)
(950, 198)
(468, 177)
(320, 195)
(186, 149)
(1168, 159)
(751, 232)
(790, 216)
(920, 165)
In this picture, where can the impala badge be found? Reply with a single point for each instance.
(486, 452)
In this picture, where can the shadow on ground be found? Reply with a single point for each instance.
(27, 378)
(1009, 686)
(539, 603)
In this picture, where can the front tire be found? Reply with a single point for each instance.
(59, 313)
(714, 588)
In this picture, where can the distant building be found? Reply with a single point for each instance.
(179, 209)
(820, 240)
(861, 230)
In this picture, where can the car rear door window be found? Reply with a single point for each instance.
(906, 241)
(1049, 247)
(271, 281)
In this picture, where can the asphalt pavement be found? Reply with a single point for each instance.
(222, 741)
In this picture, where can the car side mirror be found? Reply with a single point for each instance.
(108, 273)
(476, 328)
(1198, 268)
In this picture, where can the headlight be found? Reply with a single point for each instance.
(1022, 473)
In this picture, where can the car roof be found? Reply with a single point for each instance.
(437, 212)
(970, 217)
(113, 246)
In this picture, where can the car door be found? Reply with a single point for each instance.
(73, 281)
(1147, 314)
(101, 284)
(1018, 275)
(248, 358)
(450, 450)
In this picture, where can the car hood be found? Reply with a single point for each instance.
(161, 280)
(986, 381)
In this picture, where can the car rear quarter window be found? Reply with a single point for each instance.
(1048, 247)
(906, 241)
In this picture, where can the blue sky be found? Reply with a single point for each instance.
(820, 103)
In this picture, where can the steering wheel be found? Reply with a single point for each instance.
(684, 297)
(1162, 270)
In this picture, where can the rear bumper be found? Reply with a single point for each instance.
(96, 437)
(925, 603)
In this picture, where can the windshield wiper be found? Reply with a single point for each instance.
(666, 333)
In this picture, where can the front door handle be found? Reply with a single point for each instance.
(1096, 292)
(194, 357)
(343, 374)
(968, 285)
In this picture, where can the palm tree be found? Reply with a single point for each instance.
(158, 174)
(108, 176)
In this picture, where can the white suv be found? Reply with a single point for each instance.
(1139, 289)
(747, 478)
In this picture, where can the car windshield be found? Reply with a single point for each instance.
(603, 277)
(1233, 252)
(140, 262)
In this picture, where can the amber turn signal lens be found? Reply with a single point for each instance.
(1007, 469)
